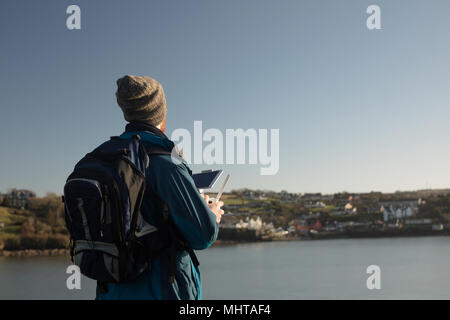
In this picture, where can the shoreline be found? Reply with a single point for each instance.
(223, 243)
(341, 236)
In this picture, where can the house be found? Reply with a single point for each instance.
(374, 209)
(291, 229)
(348, 207)
(289, 197)
(18, 198)
(399, 209)
(316, 205)
(327, 197)
(348, 225)
(252, 224)
(255, 195)
(309, 215)
(280, 232)
(330, 227)
(304, 226)
(417, 221)
(311, 197)
(345, 196)
(344, 210)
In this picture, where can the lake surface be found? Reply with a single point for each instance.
(411, 268)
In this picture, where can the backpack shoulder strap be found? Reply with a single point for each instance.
(155, 149)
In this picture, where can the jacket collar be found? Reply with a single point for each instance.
(148, 133)
(142, 126)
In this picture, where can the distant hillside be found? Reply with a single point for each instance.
(40, 227)
(11, 219)
(425, 193)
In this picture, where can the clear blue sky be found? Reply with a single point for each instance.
(357, 110)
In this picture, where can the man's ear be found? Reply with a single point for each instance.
(163, 125)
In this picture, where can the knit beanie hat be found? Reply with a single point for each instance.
(141, 99)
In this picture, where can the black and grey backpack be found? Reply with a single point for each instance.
(110, 239)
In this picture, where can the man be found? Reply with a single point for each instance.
(143, 104)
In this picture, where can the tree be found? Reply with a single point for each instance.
(6, 202)
(33, 226)
(28, 226)
(54, 217)
(42, 206)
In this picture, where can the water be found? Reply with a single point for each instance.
(411, 268)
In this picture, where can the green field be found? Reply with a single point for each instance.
(12, 219)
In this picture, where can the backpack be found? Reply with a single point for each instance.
(110, 239)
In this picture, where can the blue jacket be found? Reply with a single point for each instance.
(192, 217)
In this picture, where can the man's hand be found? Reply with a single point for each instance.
(215, 208)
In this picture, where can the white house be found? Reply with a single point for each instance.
(399, 209)
(316, 205)
(252, 224)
